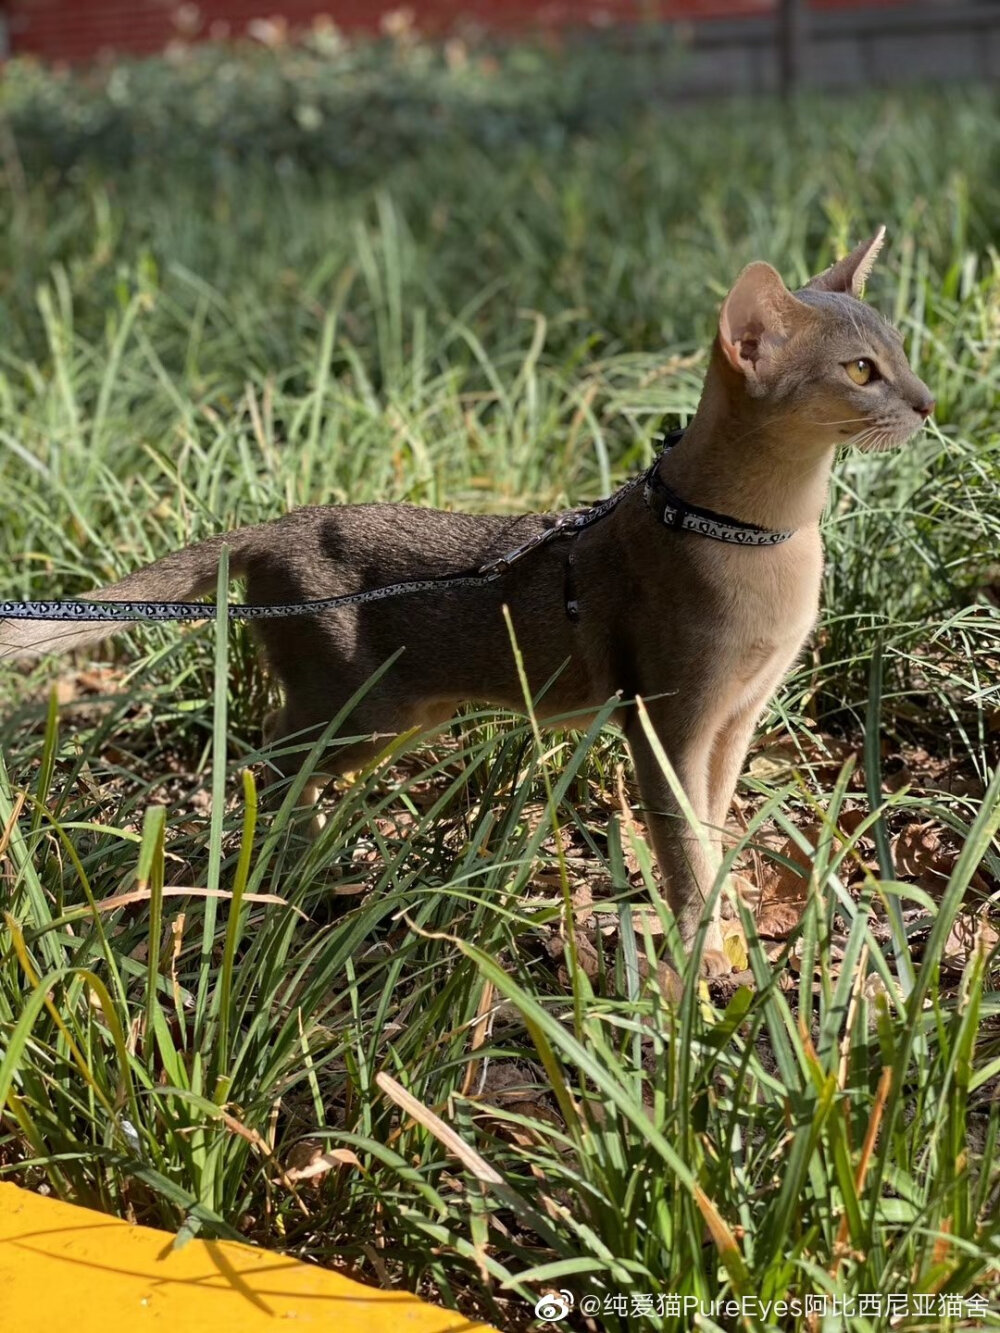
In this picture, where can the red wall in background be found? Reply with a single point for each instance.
(79, 30)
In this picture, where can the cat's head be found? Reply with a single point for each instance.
(821, 358)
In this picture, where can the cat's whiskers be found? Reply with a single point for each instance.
(863, 438)
(844, 421)
(880, 437)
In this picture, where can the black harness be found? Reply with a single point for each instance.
(667, 507)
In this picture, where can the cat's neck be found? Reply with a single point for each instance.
(741, 458)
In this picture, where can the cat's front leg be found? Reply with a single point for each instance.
(687, 857)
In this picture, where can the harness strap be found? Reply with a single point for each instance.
(570, 600)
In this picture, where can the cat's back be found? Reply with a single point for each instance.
(353, 546)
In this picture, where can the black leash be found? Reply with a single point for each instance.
(668, 508)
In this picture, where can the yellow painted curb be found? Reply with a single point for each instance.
(65, 1269)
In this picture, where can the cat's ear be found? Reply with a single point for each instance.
(850, 273)
(756, 320)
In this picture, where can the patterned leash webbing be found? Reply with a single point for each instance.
(671, 511)
(84, 611)
(79, 611)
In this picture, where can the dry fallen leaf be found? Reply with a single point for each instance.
(72, 685)
(851, 819)
(918, 849)
(776, 920)
(671, 986)
(783, 890)
(646, 920)
(512, 1088)
(921, 854)
(308, 1160)
(142, 894)
(473, 1161)
(968, 933)
(587, 955)
(774, 764)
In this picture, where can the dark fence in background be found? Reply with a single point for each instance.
(740, 46)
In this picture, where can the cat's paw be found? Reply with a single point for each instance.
(716, 960)
(715, 963)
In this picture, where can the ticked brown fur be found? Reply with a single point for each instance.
(704, 632)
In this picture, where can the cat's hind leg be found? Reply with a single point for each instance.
(290, 734)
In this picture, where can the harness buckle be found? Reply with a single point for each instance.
(498, 566)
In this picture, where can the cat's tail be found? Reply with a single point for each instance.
(178, 577)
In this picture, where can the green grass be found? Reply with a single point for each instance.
(210, 338)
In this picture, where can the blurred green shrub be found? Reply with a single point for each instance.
(321, 102)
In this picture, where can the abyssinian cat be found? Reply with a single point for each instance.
(655, 600)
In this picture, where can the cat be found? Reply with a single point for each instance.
(643, 603)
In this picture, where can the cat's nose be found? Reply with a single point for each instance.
(924, 408)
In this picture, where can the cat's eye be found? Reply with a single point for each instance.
(861, 370)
